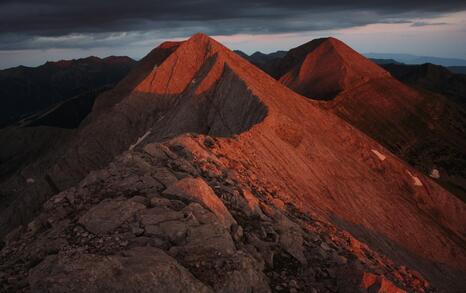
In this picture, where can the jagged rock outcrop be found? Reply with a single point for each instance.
(310, 196)
(197, 190)
(141, 269)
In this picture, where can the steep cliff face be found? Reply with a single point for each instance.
(262, 192)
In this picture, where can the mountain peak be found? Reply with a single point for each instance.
(321, 41)
(184, 61)
(201, 39)
(258, 53)
(200, 36)
(333, 40)
(169, 44)
(324, 67)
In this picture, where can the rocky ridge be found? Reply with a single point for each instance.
(173, 217)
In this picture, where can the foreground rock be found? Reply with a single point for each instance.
(141, 269)
(109, 215)
(120, 231)
(197, 190)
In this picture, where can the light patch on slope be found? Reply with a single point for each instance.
(139, 140)
(30, 180)
(416, 180)
(435, 174)
(379, 155)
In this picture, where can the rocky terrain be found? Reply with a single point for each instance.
(198, 172)
(172, 217)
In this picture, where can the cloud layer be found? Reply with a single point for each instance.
(32, 24)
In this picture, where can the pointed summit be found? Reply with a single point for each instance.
(325, 67)
(184, 63)
(200, 37)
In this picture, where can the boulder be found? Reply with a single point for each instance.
(140, 269)
(157, 201)
(353, 279)
(109, 215)
(197, 190)
(158, 215)
(291, 239)
(249, 204)
(156, 151)
(378, 284)
(193, 147)
(208, 240)
(205, 235)
(247, 277)
(164, 176)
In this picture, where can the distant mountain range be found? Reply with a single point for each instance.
(26, 90)
(414, 59)
(431, 77)
(384, 61)
(455, 65)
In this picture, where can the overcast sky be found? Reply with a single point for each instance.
(34, 31)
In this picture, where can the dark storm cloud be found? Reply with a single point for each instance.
(69, 24)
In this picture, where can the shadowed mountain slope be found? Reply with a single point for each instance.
(432, 78)
(266, 62)
(26, 90)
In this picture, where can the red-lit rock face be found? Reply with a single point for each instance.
(311, 173)
(323, 68)
(416, 126)
(378, 284)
